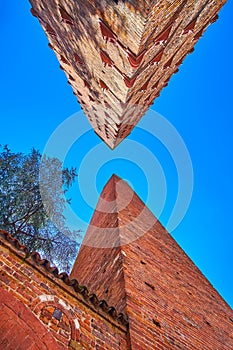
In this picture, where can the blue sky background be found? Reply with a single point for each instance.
(35, 99)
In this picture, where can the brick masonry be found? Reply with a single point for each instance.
(39, 311)
(118, 55)
(169, 302)
(160, 299)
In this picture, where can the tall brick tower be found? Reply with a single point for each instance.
(119, 54)
(129, 259)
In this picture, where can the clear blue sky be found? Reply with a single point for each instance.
(35, 99)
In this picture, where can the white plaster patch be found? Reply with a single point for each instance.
(77, 325)
(62, 303)
(45, 297)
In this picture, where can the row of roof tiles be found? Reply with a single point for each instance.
(63, 276)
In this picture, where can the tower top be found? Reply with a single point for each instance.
(117, 215)
(119, 55)
(130, 260)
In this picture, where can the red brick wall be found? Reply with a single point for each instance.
(41, 311)
(171, 299)
(169, 302)
(20, 327)
(109, 92)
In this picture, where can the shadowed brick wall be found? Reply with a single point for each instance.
(41, 310)
(169, 302)
(119, 55)
(160, 299)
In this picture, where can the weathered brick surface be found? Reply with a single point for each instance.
(39, 311)
(118, 55)
(19, 328)
(170, 304)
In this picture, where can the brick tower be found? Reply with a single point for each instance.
(149, 294)
(129, 259)
(119, 54)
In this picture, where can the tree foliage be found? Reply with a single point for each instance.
(31, 207)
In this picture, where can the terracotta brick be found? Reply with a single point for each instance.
(65, 326)
(166, 310)
(47, 314)
(54, 321)
(160, 310)
(4, 277)
(25, 343)
(19, 326)
(45, 320)
(50, 309)
(60, 338)
(123, 53)
(64, 333)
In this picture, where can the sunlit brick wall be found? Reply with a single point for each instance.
(118, 55)
(39, 311)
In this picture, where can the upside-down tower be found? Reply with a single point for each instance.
(131, 261)
(119, 54)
